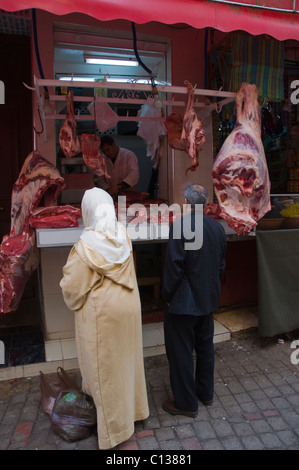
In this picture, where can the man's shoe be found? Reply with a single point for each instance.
(94, 430)
(206, 402)
(170, 407)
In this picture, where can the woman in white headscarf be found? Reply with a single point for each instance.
(99, 285)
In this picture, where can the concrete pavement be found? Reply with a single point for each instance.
(256, 405)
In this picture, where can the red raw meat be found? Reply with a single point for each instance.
(55, 217)
(192, 130)
(68, 139)
(39, 183)
(186, 133)
(174, 126)
(212, 210)
(90, 144)
(134, 196)
(240, 172)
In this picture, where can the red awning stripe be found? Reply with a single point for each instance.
(197, 13)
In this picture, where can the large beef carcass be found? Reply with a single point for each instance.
(186, 133)
(68, 138)
(240, 172)
(39, 184)
(90, 144)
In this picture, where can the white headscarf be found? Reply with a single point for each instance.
(102, 230)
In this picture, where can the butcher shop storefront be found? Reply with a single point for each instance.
(204, 92)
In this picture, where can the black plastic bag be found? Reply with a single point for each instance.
(73, 415)
(72, 412)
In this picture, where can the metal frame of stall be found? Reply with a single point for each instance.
(133, 87)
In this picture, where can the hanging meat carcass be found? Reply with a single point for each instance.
(68, 138)
(174, 126)
(90, 144)
(186, 133)
(39, 184)
(240, 172)
(192, 130)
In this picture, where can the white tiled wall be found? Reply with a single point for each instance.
(58, 319)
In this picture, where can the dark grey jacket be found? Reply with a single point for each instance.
(192, 278)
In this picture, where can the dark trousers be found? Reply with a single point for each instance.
(184, 334)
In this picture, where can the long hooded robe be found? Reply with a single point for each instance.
(99, 284)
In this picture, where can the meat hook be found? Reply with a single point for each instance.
(218, 107)
(186, 83)
(29, 87)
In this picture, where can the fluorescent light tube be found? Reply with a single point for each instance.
(99, 61)
(77, 79)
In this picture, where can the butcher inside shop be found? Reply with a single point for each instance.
(142, 133)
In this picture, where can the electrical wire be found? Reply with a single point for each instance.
(206, 57)
(138, 58)
(36, 46)
(157, 102)
(42, 126)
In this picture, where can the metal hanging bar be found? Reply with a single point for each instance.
(133, 86)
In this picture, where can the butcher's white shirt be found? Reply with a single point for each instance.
(125, 168)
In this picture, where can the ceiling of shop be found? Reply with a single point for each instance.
(69, 61)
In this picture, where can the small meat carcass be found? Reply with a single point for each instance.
(186, 133)
(68, 138)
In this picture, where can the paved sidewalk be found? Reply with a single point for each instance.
(256, 405)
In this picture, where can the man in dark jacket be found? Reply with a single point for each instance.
(191, 290)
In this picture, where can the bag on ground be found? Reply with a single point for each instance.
(72, 412)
